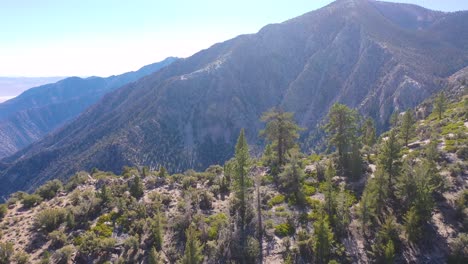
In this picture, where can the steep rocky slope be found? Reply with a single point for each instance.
(38, 111)
(358, 52)
(98, 216)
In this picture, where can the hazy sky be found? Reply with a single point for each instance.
(105, 37)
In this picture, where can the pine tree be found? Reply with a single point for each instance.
(193, 248)
(291, 177)
(281, 130)
(329, 195)
(342, 132)
(323, 238)
(389, 157)
(389, 252)
(145, 171)
(440, 104)
(136, 188)
(162, 172)
(407, 128)
(368, 133)
(241, 184)
(157, 231)
(394, 119)
(413, 224)
(153, 257)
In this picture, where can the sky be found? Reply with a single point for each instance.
(107, 37)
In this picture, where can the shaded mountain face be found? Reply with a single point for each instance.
(42, 109)
(188, 115)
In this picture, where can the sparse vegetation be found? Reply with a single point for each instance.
(304, 212)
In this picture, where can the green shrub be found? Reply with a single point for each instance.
(102, 230)
(269, 224)
(31, 200)
(3, 210)
(280, 209)
(58, 238)
(50, 219)
(6, 252)
(15, 197)
(215, 223)
(459, 249)
(49, 189)
(21, 258)
(63, 255)
(278, 199)
(205, 200)
(188, 181)
(90, 244)
(284, 229)
(76, 180)
(462, 152)
(308, 190)
(132, 242)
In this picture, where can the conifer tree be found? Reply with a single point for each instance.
(394, 119)
(368, 133)
(162, 172)
(329, 196)
(440, 104)
(136, 187)
(342, 132)
(193, 248)
(281, 130)
(407, 127)
(157, 231)
(323, 238)
(153, 257)
(412, 225)
(291, 177)
(389, 157)
(241, 184)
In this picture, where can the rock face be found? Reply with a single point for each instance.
(40, 110)
(370, 55)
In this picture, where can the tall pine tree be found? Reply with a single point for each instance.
(281, 130)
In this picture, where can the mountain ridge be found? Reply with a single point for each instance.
(39, 110)
(188, 114)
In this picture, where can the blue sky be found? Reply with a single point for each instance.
(105, 37)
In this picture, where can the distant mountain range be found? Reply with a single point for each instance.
(375, 56)
(38, 111)
(11, 87)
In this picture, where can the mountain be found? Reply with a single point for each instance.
(13, 86)
(42, 109)
(374, 56)
(100, 217)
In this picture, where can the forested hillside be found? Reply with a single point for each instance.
(375, 57)
(399, 197)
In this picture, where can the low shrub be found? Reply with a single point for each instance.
(50, 219)
(284, 229)
(308, 190)
(58, 238)
(205, 200)
(21, 257)
(31, 200)
(6, 252)
(63, 255)
(215, 223)
(3, 210)
(49, 189)
(278, 199)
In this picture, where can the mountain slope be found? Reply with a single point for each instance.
(13, 86)
(40, 110)
(189, 114)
